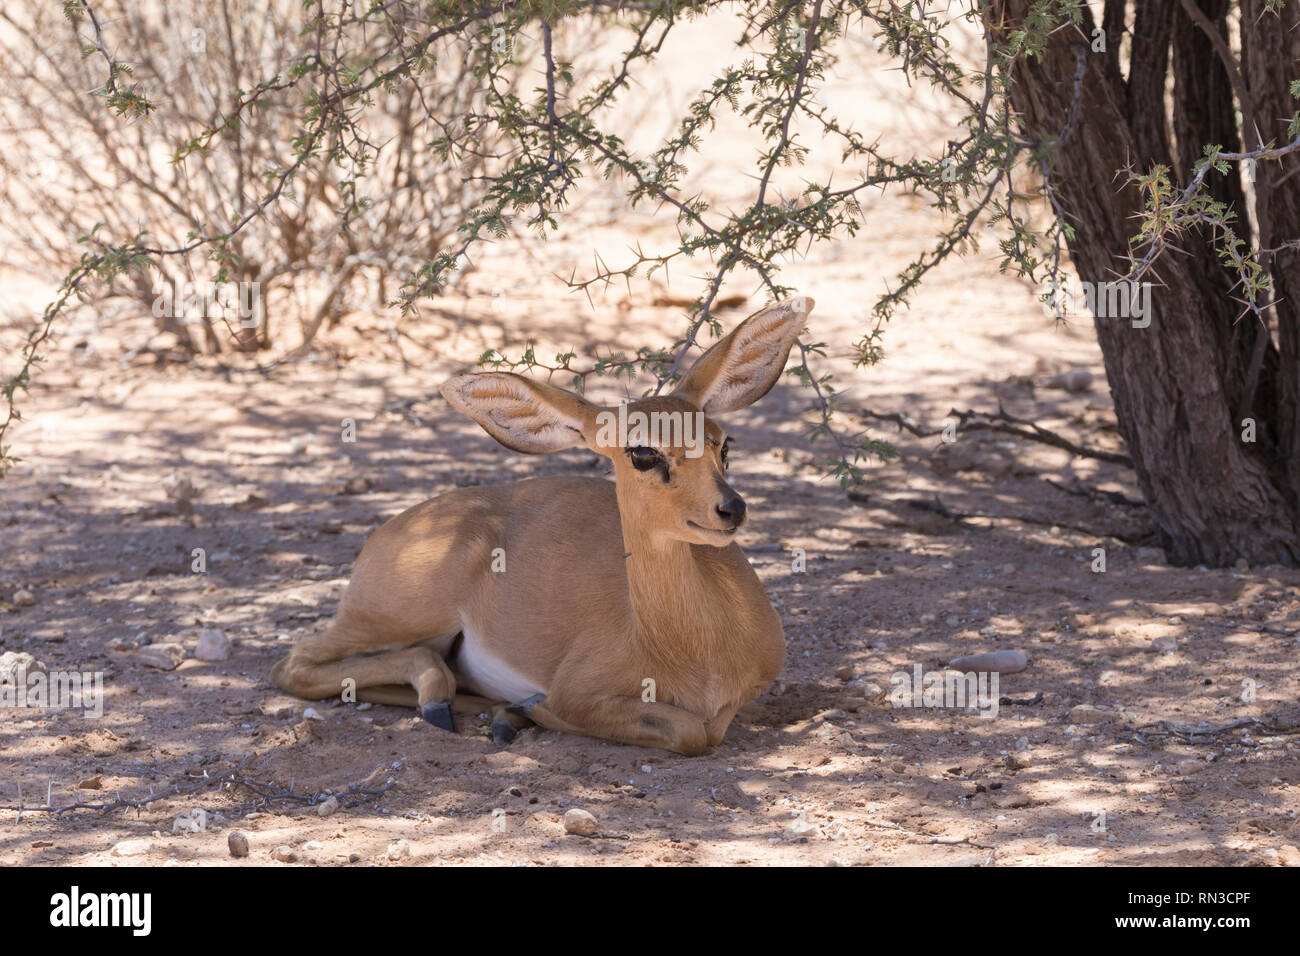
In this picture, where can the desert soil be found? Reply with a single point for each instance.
(981, 544)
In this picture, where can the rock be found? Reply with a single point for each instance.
(212, 646)
(328, 807)
(13, 661)
(24, 598)
(399, 849)
(237, 843)
(1076, 380)
(801, 829)
(730, 795)
(1088, 714)
(193, 821)
(131, 847)
(1164, 645)
(580, 822)
(1288, 855)
(92, 783)
(165, 656)
(311, 846)
(1019, 761)
(898, 767)
(284, 853)
(311, 714)
(844, 673)
(1001, 662)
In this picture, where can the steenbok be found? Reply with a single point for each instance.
(620, 610)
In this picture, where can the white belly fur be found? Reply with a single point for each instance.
(488, 675)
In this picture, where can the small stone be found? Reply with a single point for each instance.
(1000, 662)
(24, 598)
(801, 829)
(1019, 761)
(580, 822)
(165, 656)
(284, 853)
(1075, 380)
(11, 662)
(399, 849)
(237, 843)
(92, 783)
(131, 847)
(311, 714)
(844, 673)
(1088, 714)
(328, 807)
(312, 846)
(212, 646)
(898, 767)
(1164, 645)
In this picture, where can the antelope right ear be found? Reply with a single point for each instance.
(521, 414)
(742, 367)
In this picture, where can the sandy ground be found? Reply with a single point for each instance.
(819, 770)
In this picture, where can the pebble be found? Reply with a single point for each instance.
(165, 656)
(24, 598)
(580, 822)
(212, 646)
(11, 661)
(284, 853)
(399, 849)
(92, 783)
(131, 847)
(844, 673)
(1019, 761)
(1164, 645)
(1076, 380)
(311, 713)
(1001, 662)
(1088, 714)
(237, 843)
(328, 807)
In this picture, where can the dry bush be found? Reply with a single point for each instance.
(347, 228)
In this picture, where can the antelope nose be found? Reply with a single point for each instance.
(732, 510)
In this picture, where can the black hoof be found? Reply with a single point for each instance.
(503, 732)
(524, 708)
(438, 713)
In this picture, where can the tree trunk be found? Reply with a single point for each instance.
(1183, 384)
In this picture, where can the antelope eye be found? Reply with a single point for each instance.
(643, 457)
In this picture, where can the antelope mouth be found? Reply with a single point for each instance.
(726, 531)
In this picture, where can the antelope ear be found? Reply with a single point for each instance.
(521, 414)
(742, 367)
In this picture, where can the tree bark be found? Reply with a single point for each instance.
(1179, 384)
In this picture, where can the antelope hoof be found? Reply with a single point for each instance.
(503, 732)
(438, 713)
(524, 708)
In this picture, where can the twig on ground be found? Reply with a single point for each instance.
(999, 421)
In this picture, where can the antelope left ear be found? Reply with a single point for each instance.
(742, 367)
